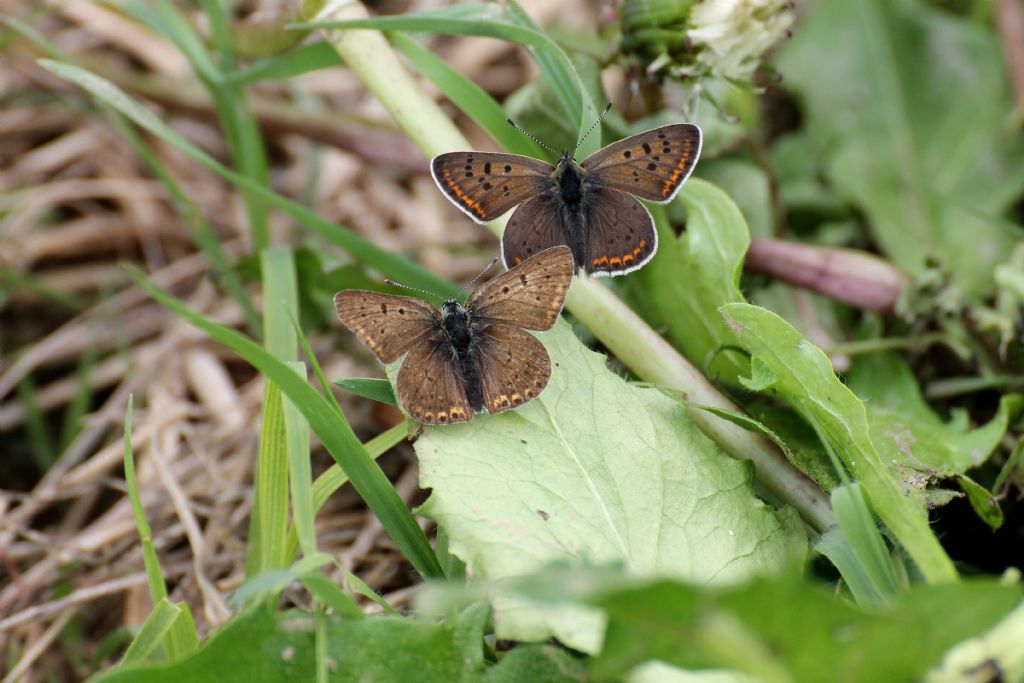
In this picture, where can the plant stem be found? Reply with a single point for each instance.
(371, 58)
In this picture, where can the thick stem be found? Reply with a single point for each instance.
(370, 57)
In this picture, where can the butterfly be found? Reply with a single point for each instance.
(588, 206)
(464, 359)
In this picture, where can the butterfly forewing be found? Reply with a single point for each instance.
(620, 234)
(389, 325)
(530, 295)
(513, 367)
(652, 165)
(430, 387)
(484, 185)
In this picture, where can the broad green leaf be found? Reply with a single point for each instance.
(996, 652)
(693, 275)
(595, 470)
(910, 121)
(802, 374)
(259, 646)
(747, 185)
(908, 433)
(784, 629)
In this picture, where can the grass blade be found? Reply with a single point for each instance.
(473, 100)
(289, 65)
(154, 574)
(154, 631)
(300, 472)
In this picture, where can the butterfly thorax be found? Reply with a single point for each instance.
(456, 323)
(569, 177)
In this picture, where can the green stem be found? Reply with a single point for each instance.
(372, 59)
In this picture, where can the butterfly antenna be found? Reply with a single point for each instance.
(480, 274)
(529, 135)
(594, 125)
(391, 282)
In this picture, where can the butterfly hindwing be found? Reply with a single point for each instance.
(530, 295)
(513, 367)
(621, 236)
(389, 325)
(652, 165)
(535, 226)
(430, 387)
(484, 185)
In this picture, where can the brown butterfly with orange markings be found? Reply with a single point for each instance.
(587, 206)
(463, 359)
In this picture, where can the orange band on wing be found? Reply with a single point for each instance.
(670, 184)
(463, 198)
(619, 262)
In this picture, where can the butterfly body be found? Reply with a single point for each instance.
(591, 207)
(462, 359)
(457, 329)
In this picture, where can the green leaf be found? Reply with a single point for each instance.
(330, 425)
(329, 594)
(868, 569)
(692, 275)
(154, 630)
(982, 501)
(259, 646)
(378, 390)
(782, 629)
(917, 102)
(908, 433)
(747, 185)
(803, 376)
(474, 101)
(259, 587)
(595, 469)
(293, 63)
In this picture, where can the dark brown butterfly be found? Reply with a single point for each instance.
(463, 359)
(586, 206)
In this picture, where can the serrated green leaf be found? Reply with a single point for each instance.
(917, 102)
(804, 377)
(917, 445)
(595, 469)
